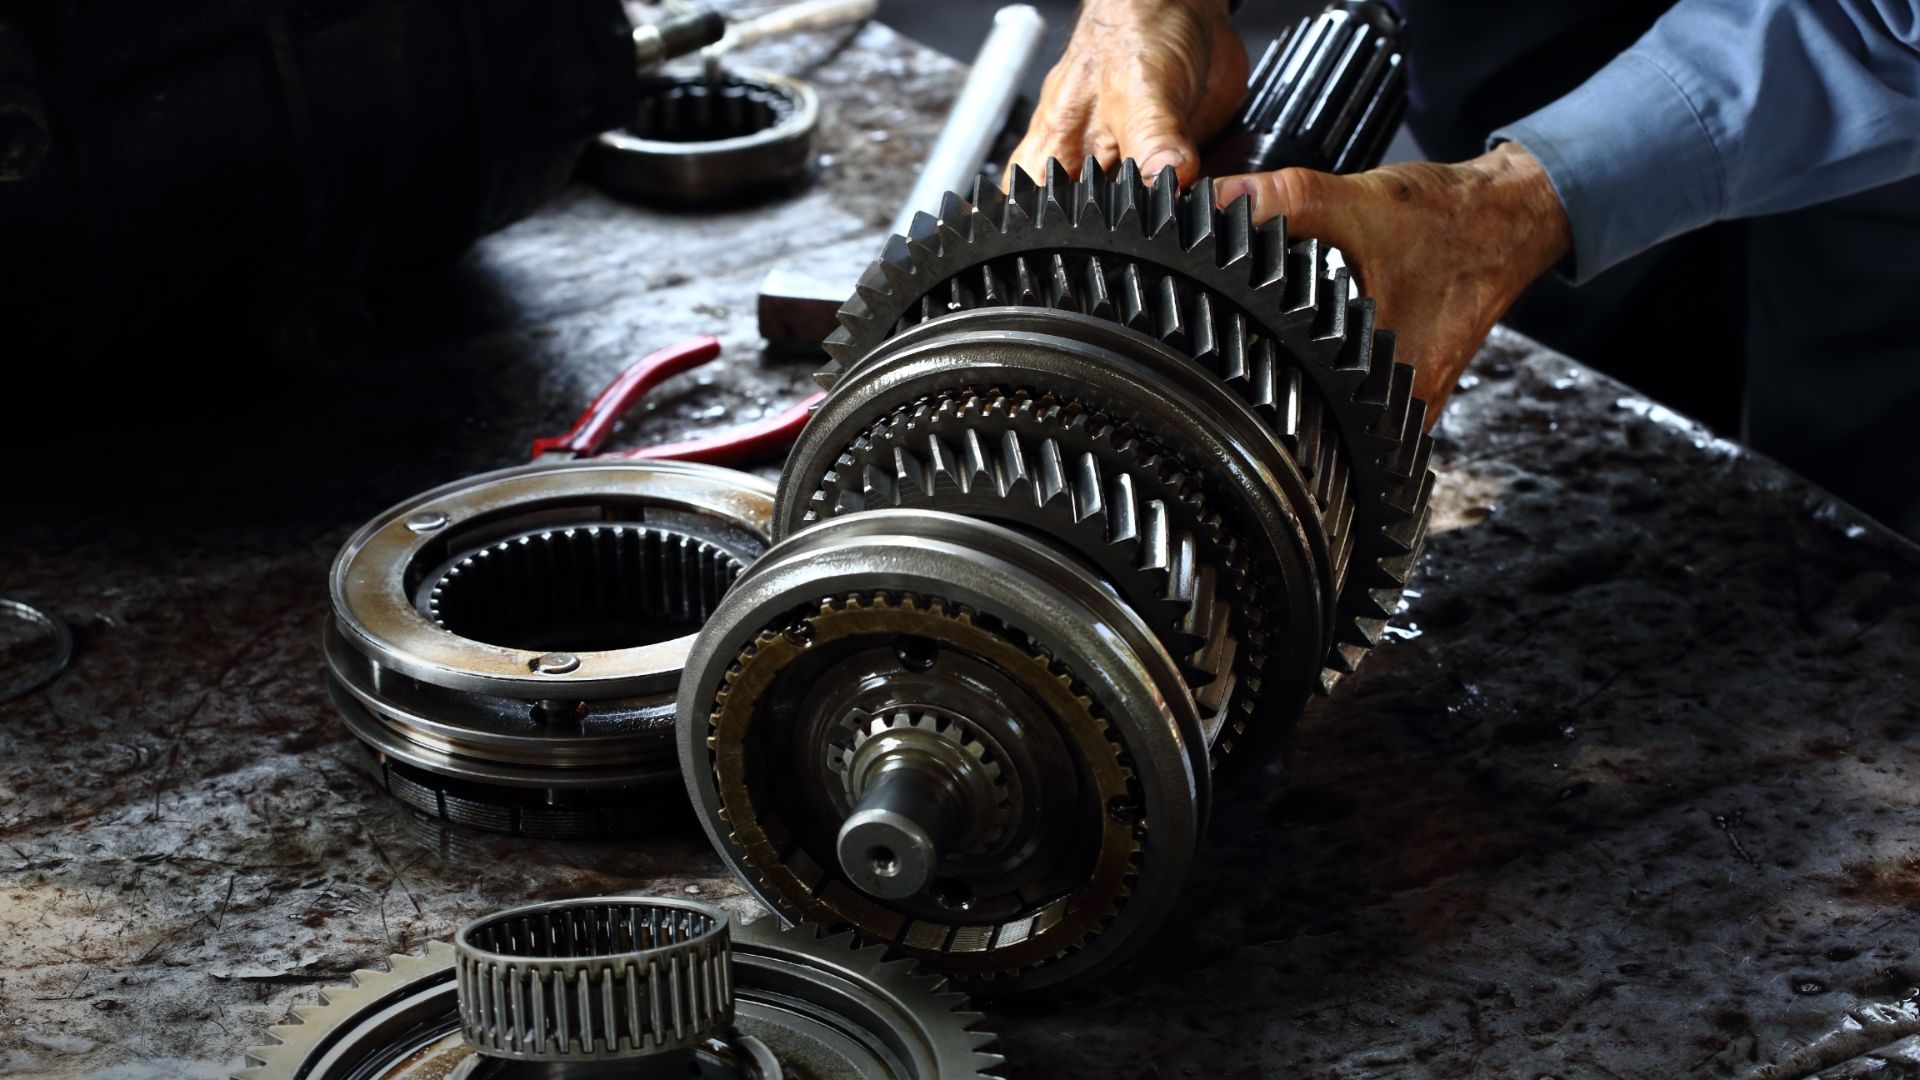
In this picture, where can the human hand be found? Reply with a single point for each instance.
(1145, 79)
(1443, 250)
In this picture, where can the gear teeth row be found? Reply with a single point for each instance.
(1115, 496)
(1267, 316)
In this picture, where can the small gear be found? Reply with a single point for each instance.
(861, 729)
(1267, 317)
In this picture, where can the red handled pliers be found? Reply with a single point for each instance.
(744, 443)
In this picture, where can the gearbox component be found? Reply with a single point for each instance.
(1107, 483)
(640, 986)
(952, 738)
(708, 138)
(509, 645)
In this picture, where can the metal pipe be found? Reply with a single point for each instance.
(979, 112)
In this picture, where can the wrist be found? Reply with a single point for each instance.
(1518, 194)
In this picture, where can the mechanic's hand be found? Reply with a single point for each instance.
(1145, 79)
(1443, 250)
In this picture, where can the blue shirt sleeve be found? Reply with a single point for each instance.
(1728, 109)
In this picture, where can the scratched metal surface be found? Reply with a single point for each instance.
(1631, 792)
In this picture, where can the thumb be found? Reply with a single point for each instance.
(1299, 194)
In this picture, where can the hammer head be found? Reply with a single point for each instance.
(797, 309)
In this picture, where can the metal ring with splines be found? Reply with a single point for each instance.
(704, 139)
(509, 645)
(801, 1005)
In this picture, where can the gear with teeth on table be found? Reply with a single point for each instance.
(633, 985)
(1266, 316)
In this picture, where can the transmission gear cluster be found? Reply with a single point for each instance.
(1107, 483)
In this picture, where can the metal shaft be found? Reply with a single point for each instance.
(978, 113)
(912, 807)
(677, 35)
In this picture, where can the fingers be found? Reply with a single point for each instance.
(1156, 137)
(1298, 194)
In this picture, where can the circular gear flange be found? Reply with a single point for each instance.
(509, 645)
(1267, 317)
(814, 1005)
(1071, 692)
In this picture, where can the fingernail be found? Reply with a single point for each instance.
(1161, 159)
(1225, 191)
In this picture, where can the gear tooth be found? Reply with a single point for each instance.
(1056, 196)
(1236, 233)
(1150, 525)
(990, 203)
(1015, 483)
(1267, 379)
(1330, 323)
(1357, 354)
(1050, 477)
(923, 237)
(1204, 328)
(896, 251)
(1061, 294)
(956, 219)
(943, 467)
(1089, 490)
(910, 479)
(1305, 262)
(1232, 364)
(1270, 252)
(1130, 299)
(1162, 201)
(1391, 425)
(1092, 196)
(978, 471)
(1129, 195)
(1026, 291)
(1196, 224)
(1123, 511)
(1169, 314)
(1099, 302)
(869, 295)
(878, 488)
(993, 290)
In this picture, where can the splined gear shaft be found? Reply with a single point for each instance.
(1107, 483)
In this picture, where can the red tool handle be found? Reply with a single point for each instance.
(762, 438)
(596, 423)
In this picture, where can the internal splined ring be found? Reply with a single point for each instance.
(509, 646)
(704, 139)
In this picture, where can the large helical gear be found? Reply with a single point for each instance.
(1161, 445)
(1268, 317)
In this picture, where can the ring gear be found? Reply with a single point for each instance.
(1266, 317)
(1039, 933)
(842, 987)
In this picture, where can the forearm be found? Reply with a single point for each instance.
(1728, 109)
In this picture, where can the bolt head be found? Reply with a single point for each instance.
(558, 663)
(427, 521)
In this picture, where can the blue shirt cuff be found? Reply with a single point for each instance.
(1630, 158)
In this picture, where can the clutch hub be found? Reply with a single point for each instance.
(1107, 483)
(509, 646)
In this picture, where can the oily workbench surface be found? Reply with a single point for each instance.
(1629, 793)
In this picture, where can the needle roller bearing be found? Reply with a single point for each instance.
(1107, 483)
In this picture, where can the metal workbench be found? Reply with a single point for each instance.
(1629, 792)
